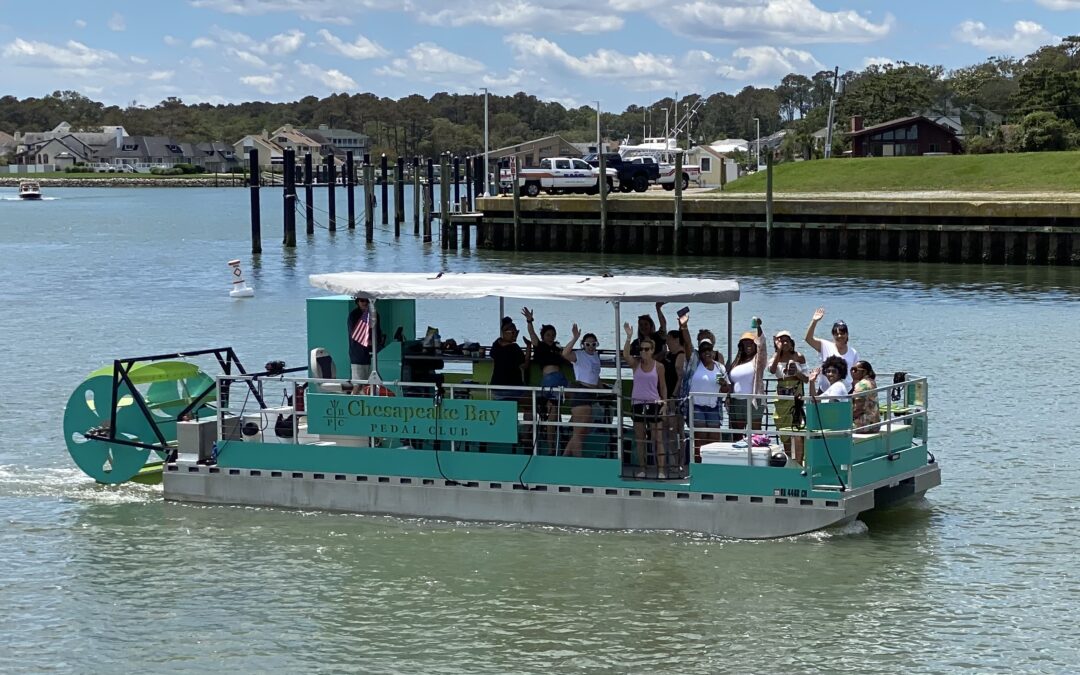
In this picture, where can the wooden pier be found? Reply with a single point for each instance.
(1004, 232)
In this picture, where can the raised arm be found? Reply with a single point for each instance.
(684, 332)
(568, 350)
(661, 318)
(527, 313)
(627, 356)
(819, 314)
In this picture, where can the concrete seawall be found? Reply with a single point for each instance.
(127, 181)
(995, 229)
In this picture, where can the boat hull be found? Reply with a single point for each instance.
(30, 197)
(648, 507)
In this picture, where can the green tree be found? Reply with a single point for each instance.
(1041, 131)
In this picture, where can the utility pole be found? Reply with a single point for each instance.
(757, 145)
(832, 108)
(487, 151)
(598, 150)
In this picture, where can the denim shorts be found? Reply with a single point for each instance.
(707, 417)
(550, 383)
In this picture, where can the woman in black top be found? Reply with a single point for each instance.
(547, 354)
(510, 361)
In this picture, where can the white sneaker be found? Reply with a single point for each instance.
(661, 475)
(639, 474)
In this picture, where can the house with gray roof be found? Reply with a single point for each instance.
(334, 141)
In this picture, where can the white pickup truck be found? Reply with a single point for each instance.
(691, 172)
(563, 174)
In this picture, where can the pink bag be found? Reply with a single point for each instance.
(760, 441)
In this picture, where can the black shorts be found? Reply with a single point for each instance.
(646, 413)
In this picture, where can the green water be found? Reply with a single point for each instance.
(979, 577)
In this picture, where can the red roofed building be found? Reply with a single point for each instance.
(907, 136)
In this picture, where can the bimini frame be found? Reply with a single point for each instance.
(466, 286)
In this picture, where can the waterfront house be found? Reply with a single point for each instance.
(52, 154)
(215, 156)
(289, 138)
(717, 169)
(529, 153)
(906, 136)
(269, 153)
(337, 142)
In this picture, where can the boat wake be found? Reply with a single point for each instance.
(71, 484)
(20, 199)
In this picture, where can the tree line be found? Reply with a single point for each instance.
(1005, 104)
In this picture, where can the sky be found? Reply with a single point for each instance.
(620, 52)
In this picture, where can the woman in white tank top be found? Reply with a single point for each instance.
(586, 362)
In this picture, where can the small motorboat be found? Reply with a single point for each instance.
(29, 189)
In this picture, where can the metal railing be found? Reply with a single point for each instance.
(584, 422)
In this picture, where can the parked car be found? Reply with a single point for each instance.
(636, 177)
(667, 172)
(563, 174)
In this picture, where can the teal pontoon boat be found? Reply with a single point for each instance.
(428, 436)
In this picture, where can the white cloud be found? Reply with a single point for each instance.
(332, 78)
(360, 48)
(172, 41)
(116, 22)
(160, 75)
(604, 63)
(80, 23)
(760, 63)
(265, 84)
(538, 15)
(202, 43)
(878, 61)
(72, 55)
(791, 20)
(326, 11)
(1027, 36)
(245, 57)
(1060, 5)
(428, 58)
(283, 44)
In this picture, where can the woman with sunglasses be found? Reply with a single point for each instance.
(839, 346)
(864, 401)
(647, 401)
(586, 362)
(833, 371)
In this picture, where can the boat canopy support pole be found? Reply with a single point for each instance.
(618, 385)
(729, 333)
(374, 343)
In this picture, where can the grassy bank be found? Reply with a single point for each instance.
(1026, 172)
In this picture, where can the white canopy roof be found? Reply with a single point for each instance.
(464, 286)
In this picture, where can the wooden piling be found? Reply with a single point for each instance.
(350, 190)
(331, 194)
(468, 185)
(399, 196)
(256, 216)
(444, 200)
(384, 208)
(429, 199)
(369, 202)
(457, 184)
(416, 195)
(602, 185)
(675, 246)
(768, 203)
(288, 199)
(309, 195)
(479, 187)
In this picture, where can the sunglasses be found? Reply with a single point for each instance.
(589, 344)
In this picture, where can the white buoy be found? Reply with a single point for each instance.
(240, 287)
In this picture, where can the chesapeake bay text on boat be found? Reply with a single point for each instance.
(489, 421)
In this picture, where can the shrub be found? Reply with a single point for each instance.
(190, 168)
(1045, 131)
